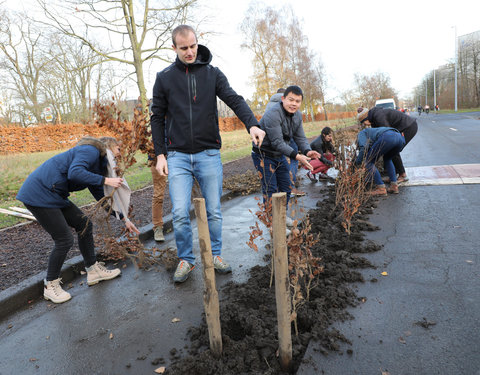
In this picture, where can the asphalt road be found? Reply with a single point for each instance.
(423, 317)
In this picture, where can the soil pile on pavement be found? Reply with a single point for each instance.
(248, 310)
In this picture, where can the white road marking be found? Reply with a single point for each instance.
(455, 130)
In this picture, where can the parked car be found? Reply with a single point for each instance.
(386, 103)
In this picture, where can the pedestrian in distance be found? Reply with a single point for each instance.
(324, 146)
(45, 194)
(187, 140)
(379, 117)
(276, 100)
(374, 143)
(282, 124)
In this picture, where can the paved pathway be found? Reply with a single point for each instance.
(456, 174)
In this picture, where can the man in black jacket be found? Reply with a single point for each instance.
(379, 117)
(185, 128)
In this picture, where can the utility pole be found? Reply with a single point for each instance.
(456, 67)
(434, 92)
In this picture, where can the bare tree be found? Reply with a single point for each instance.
(281, 55)
(351, 100)
(262, 28)
(136, 31)
(25, 57)
(7, 109)
(371, 88)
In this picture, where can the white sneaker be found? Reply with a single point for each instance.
(53, 291)
(158, 234)
(220, 265)
(98, 272)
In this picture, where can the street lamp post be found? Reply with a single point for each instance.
(456, 62)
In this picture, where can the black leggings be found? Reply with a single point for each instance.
(408, 133)
(57, 222)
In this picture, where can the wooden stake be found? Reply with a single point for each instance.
(17, 214)
(21, 210)
(210, 294)
(282, 284)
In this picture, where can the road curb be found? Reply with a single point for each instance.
(21, 295)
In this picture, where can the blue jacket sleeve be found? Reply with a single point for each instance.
(86, 157)
(362, 140)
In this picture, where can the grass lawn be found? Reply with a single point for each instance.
(15, 168)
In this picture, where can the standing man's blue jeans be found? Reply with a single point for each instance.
(293, 163)
(206, 167)
(275, 175)
(388, 144)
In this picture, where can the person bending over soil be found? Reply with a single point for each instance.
(45, 194)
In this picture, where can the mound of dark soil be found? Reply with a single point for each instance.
(248, 311)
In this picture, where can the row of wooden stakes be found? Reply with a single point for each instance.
(282, 293)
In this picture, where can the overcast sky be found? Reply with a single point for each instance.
(405, 39)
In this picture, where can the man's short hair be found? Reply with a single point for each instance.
(182, 30)
(293, 89)
(281, 90)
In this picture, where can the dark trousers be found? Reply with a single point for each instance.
(294, 163)
(57, 222)
(274, 175)
(387, 145)
(408, 133)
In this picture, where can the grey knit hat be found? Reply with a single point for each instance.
(362, 114)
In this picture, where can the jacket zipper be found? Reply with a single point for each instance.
(190, 107)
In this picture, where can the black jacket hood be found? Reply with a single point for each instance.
(204, 57)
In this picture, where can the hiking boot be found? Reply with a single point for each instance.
(98, 272)
(220, 265)
(183, 270)
(53, 291)
(297, 193)
(379, 190)
(402, 178)
(158, 234)
(393, 188)
(311, 176)
(290, 222)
